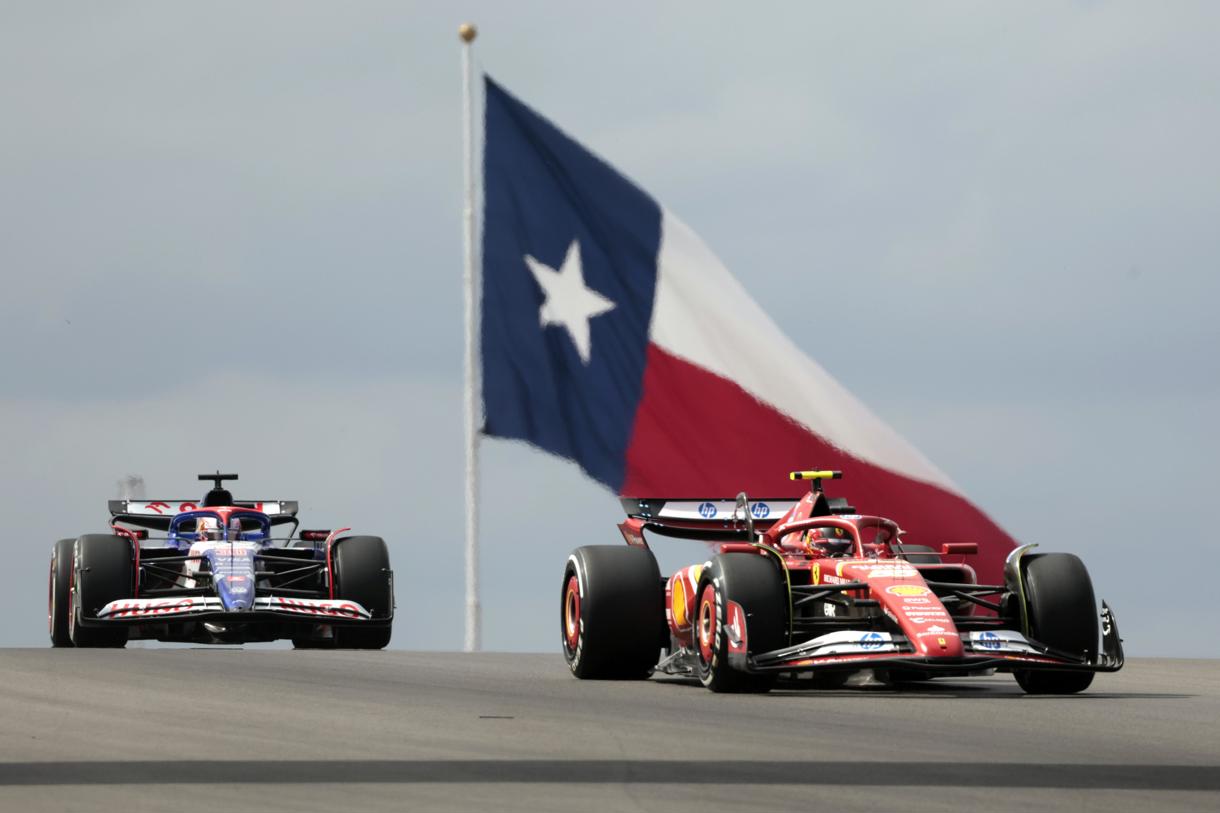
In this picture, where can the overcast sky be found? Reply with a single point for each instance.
(231, 239)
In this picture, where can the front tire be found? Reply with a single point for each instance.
(362, 574)
(756, 584)
(102, 573)
(59, 594)
(1063, 615)
(612, 612)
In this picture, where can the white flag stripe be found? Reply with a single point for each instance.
(703, 314)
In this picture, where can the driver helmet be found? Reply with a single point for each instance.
(207, 530)
(234, 529)
(828, 541)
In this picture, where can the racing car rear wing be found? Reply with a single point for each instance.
(157, 514)
(712, 519)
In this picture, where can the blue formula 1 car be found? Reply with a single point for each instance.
(219, 575)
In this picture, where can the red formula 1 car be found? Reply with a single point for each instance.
(215, 571)
(828, 591)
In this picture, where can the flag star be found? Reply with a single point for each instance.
(569, 302)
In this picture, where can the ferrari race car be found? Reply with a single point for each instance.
(824, 590)
(219, 576)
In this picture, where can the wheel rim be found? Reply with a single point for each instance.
(571, 614)
(707, 624)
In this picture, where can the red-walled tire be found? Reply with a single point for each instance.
(59, 593)
(755, 583)
(612, 612)
(104, 570)
(1063, 615)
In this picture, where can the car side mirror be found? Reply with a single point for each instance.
(959, 548)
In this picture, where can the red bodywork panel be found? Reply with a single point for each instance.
(633, 532)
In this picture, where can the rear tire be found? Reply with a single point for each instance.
(1062, 615)
(757, 584)
(362, 574)
(612, 613)
(59, 594)
(103, 570)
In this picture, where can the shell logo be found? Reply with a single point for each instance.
(907, 590)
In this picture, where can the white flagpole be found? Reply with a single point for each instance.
(470, 397)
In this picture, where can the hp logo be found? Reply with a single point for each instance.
(989, 640)
(760, 510)
(872, 640)
(707, 510)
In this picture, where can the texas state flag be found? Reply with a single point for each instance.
(613, 336)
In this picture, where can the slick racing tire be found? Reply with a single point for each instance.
(362, 574)
(102, 573)
(59, 593)
(612, 613)
(757, 584)
(1062, 615)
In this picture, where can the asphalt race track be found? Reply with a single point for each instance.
(231, 729)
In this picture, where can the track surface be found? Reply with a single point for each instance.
(209, 729)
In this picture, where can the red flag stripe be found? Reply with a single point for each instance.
(697, 434)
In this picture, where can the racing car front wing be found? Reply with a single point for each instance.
(210, 608)
(1002, 649)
